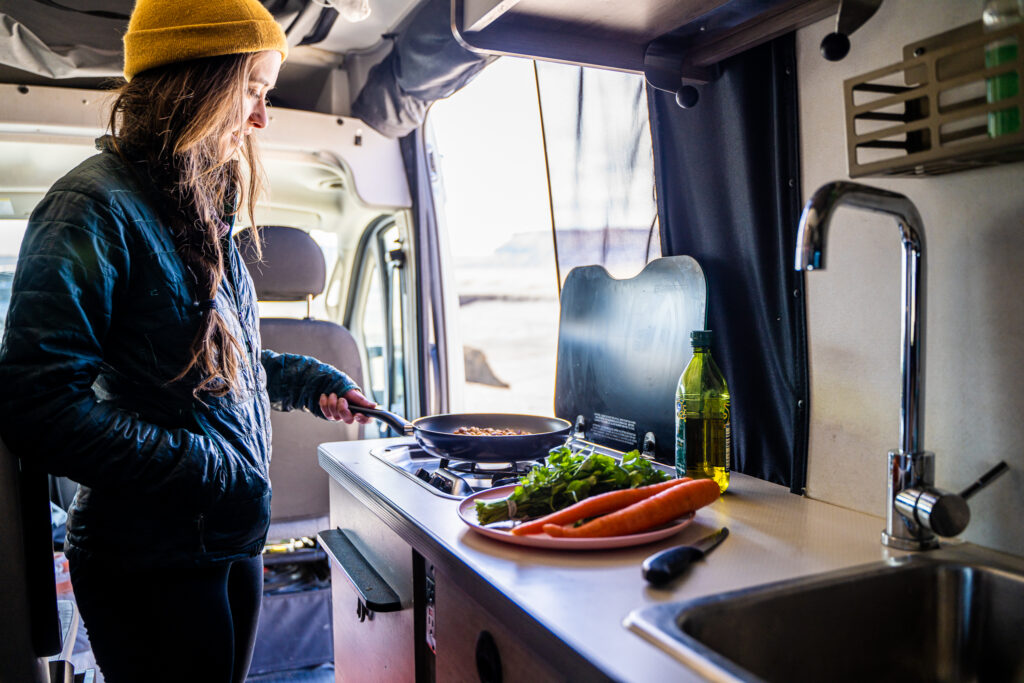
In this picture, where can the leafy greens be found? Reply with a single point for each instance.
(566, 478)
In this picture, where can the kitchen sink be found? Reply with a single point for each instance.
(911, 619)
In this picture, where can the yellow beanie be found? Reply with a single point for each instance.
(166, 31)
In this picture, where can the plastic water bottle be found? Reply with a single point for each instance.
(996, 15)
(61, 573)
(703, 433)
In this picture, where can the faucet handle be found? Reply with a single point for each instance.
(985, 479)
(943, 512)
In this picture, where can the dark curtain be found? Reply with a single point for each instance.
(728, 183)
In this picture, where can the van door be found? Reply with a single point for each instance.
(378, 314)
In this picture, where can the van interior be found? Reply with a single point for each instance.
(438, 169)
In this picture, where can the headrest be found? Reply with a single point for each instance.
(292, 267)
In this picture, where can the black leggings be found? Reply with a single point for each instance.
(177, 625)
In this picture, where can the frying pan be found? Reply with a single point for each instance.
(435, 435)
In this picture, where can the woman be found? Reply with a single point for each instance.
(131, 362)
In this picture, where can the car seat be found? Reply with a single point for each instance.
(293, 269)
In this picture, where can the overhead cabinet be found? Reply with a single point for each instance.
(671, 41)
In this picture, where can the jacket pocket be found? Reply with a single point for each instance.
(241, 471)
(233, 524)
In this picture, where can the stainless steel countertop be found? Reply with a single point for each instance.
(583, 596)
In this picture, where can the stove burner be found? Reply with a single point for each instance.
(451, 478)
(488, 469)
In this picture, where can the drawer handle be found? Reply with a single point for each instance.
(374, 591)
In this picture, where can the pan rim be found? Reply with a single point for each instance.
(564, 429)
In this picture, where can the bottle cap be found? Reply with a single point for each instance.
(700, 338)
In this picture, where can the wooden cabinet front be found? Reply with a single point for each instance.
(473, 645)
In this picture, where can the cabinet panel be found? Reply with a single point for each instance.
(460, 623)
(664, 39)
(376, 646)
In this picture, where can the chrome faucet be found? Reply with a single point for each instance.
(915, 510)
(910, 466)
(810, 255)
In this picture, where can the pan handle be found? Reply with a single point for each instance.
(393, 420)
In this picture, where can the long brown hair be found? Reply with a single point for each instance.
(171, 122)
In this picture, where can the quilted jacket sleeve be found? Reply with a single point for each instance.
(296, 382)
(71, 271)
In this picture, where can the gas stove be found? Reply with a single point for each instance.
(455, 479)
(452, 479)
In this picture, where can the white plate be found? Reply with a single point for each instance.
(467, 512)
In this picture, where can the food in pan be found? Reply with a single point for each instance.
(489, 431)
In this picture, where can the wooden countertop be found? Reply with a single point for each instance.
(582, 597)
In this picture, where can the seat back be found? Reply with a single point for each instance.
(293, 269)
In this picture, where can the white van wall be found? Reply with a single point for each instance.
(974, 227)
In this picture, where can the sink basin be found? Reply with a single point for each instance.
(912, 619)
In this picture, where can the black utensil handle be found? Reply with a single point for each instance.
(668, 564)
(394, 420)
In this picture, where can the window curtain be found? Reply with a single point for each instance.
(728, 194)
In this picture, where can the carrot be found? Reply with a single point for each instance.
(647, 514)
(595, 505)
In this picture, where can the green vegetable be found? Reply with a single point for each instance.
(566, 478)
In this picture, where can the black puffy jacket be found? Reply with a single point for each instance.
(101, 319)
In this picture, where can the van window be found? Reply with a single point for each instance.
(513, 237)
(11, 234)
(494, 207)
(601, 164)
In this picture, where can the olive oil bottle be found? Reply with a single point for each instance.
(703, 439)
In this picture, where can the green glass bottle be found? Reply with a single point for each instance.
(703, 439)
(999, 14)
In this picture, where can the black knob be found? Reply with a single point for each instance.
(488, 659)
(687, 96)
(949, 515)
(835, 46)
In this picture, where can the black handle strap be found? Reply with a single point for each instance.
(373, 590)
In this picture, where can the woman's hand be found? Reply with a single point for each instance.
(336, 408)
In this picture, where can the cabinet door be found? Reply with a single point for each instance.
(473, 645)
(376, 646)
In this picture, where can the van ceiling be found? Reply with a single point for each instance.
(77, 43)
